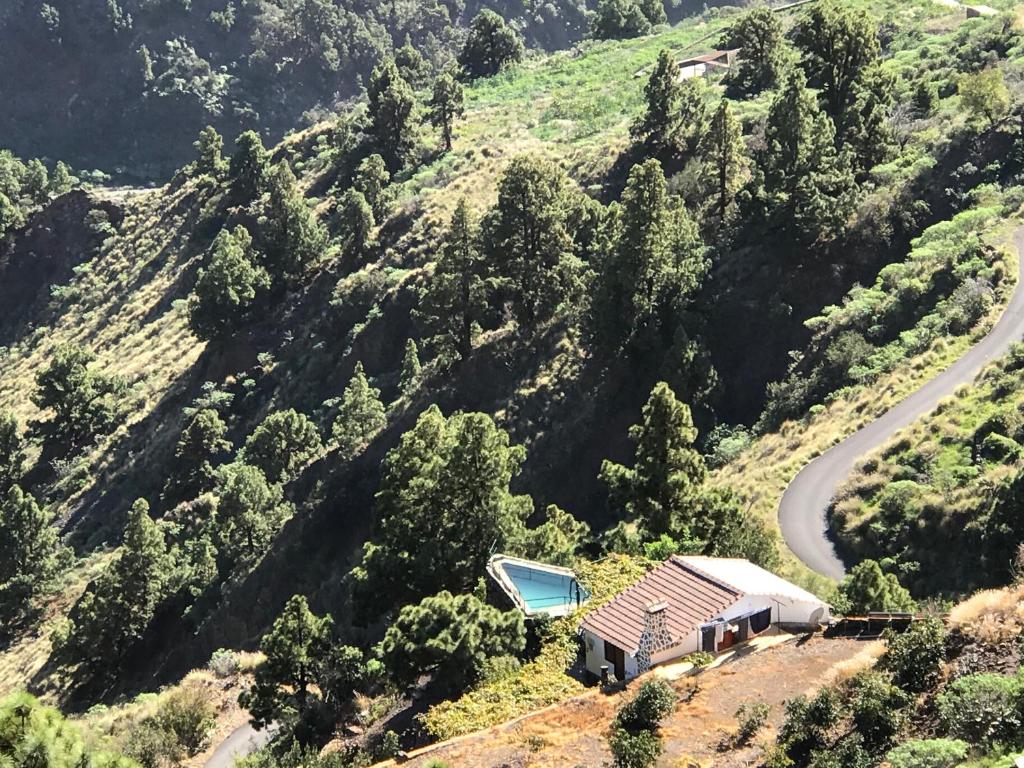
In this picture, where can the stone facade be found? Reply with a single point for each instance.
(655, 637)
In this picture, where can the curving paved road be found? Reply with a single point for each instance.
(241, 742)
(802, 511)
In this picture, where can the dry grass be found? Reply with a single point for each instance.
(850, 668)
(25, 658)
(993, 615)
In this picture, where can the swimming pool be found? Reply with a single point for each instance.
(537, 587)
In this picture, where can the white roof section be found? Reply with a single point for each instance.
(751, 579)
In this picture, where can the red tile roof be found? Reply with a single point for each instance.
(693, 598)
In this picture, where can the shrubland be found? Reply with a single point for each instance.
(302, 392)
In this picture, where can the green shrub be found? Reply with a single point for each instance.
(982, 709)
(151, 746)
(224, 663)
(876, 707)
(928, 753)
(752, 716)
(634, 750)
(653, 702)
(914, 658)
(699, 658)
(188, 715)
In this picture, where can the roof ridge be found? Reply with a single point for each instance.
(700, 573)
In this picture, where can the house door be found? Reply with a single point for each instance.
(707, 638)
(617, 657)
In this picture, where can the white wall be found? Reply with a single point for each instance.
(785, 612)
(593, 646)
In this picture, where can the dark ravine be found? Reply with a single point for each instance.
(802, 511)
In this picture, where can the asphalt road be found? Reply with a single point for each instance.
(241, 742)
(802, 511)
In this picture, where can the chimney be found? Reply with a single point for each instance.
(655, 621)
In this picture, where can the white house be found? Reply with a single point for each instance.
(690, 604)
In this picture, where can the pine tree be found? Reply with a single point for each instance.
(446, 106)
(12, 452)
(984, 94)
(36, 181)
(526, 240)
(293, 237)
(410, 375)
(284, 688)
(867, 588)
(118, 606)
(411, 64)
(869, 135)
(85, 402)
(209, 154)
(61, 182)
(450, 637)
(443, 506)
(356, 226)
(228, 288)
(360, 416)
(809, 187)
(660, 488)
(250, 512)
(658, 129)
(371, 180)
(248, 167)
(555, 541)
(619, 20)
(653, 261)
(282, 444)
(490, 45)
(839, 44)
(456, 298)
(202, 442)
(31, 553)
(726, 159)
(391, 105)
(35, 735)
(693, 116)
(758, 35)
(653, 10)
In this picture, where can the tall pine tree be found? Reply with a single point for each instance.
(391, 104)
(12, 452)
(660, 489)
(758, 35)
(293, 237)
(446, 106)
(443, 506)
(808, 185)
(726, 160)
(527, 240)
(658, 130)
(839, 45)
(31, 553)
(455, 298)
(118, 606)
(360, 416)
(650, 267)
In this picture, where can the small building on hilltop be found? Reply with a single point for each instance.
(689, 604)
(707, 64)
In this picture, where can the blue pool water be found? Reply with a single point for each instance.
(541, 589)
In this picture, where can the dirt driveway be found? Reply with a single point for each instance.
(573, 733)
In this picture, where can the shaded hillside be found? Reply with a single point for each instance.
(562, 385)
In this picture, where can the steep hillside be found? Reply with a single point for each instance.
(613, 317)
(140, 78)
